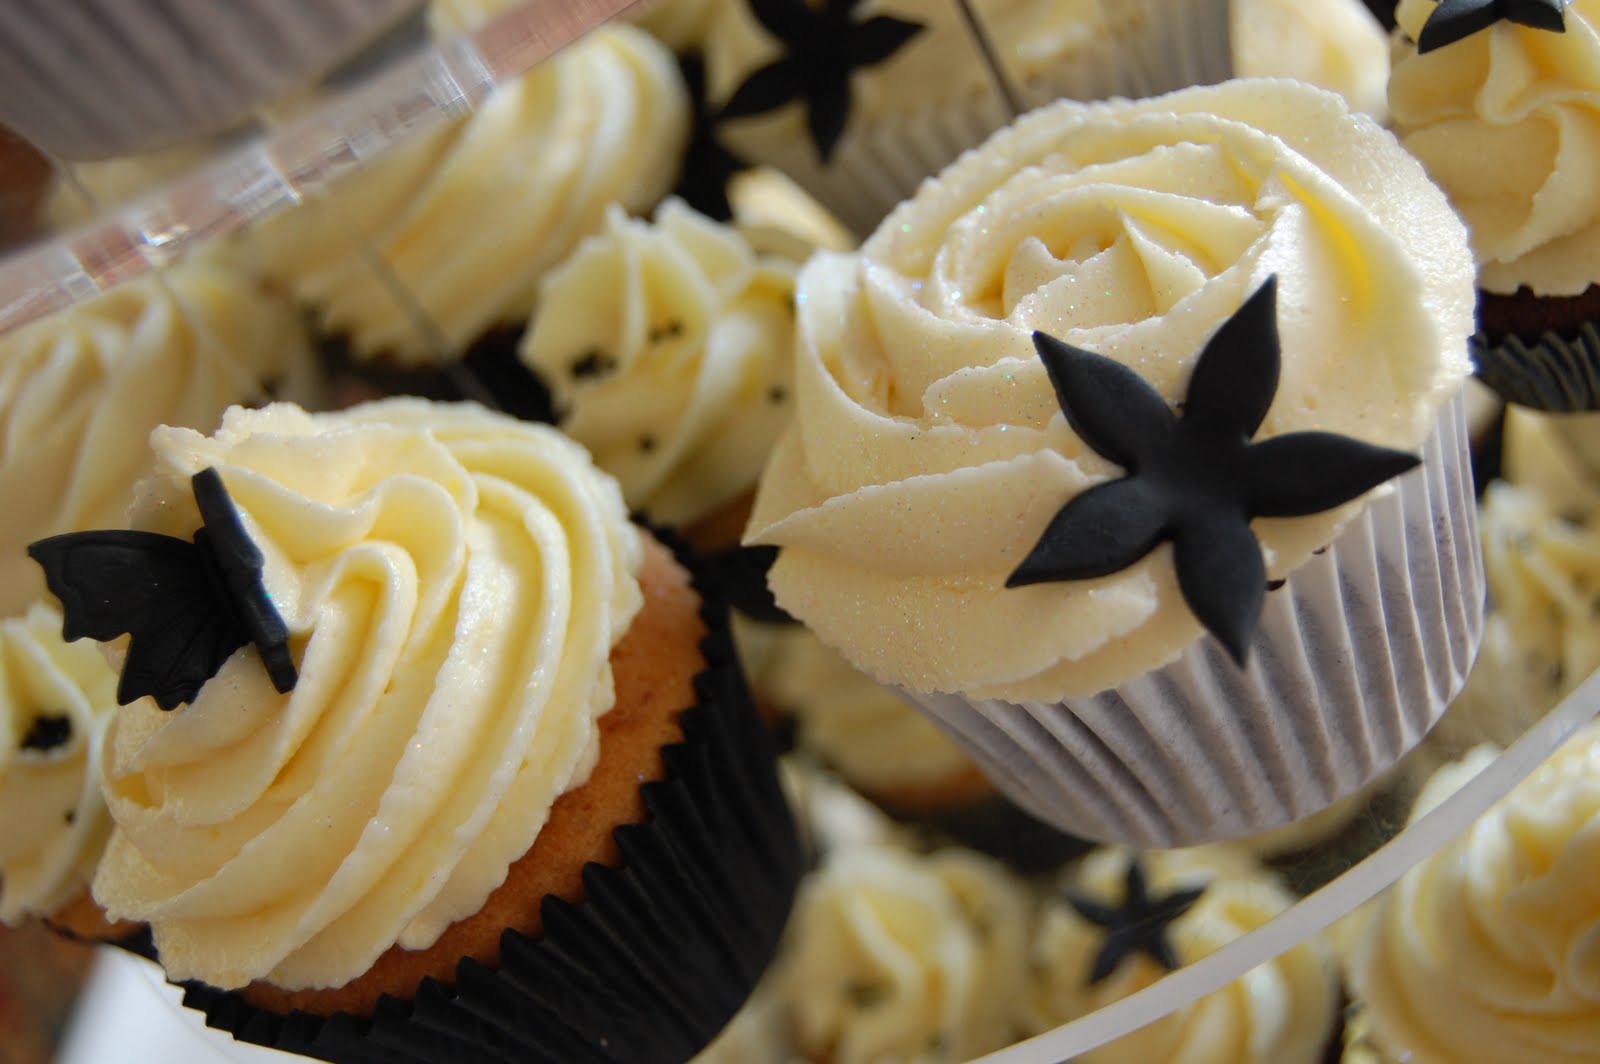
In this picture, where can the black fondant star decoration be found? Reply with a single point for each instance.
(1195, 479)
(1138, 925)
(1454, 20)
(708, 165)
(822, 45)
(186, 605)
(48, 731)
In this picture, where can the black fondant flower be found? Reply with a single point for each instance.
(1453, 20)
(1195, 479)
(708, 166)
(1138, 925)
(822, 45)
(186, 605)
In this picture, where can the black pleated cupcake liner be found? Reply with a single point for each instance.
(658, 956)
(1553, 373)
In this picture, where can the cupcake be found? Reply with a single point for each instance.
(81, 390)
(1123, 920)
(907, 85)
(894, 956)
(56, 699)
(432, 247)
(1486, 950)
(473, 726)
(1019, 333)
(1519, 89)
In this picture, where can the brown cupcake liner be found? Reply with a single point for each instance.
(658, 956)
(1553, 373)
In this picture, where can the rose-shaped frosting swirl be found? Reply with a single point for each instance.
(929, 452)
(81, 390)
(1279, 1013)
(463, 223)
(893, 956)
(1489, 951)
(453, 582)
(1529, 100)
(667, 348)
(55, 700)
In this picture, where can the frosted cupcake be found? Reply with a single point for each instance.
(475, 722)
(858, 102)
(1332, 44)
(55, 700)
(81, 390)
(1486, 951)
(893, 956)
(1123, 921)
(1520, 89)
(917, 500)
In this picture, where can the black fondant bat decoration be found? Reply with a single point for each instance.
(823, 44)
(1195, 479)
(1138, 925)
(1454, 20)
(186, 605)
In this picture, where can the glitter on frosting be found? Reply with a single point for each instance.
(928, 452)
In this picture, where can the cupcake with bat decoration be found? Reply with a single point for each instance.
(416, 720)
(1131, 451)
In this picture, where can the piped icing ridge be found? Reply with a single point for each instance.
(453, 582)
(81, 390)
(1489, 950)
(55, 701)
(1530, 100)
(1279, 1013)
(1335, 45)
(928, 453)
(466, 220)
(667, 348)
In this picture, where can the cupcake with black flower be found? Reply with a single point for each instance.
(1106, 454)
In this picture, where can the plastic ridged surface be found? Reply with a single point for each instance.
(287, 165)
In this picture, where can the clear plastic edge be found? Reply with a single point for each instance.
(291, 163)
(1318, 911)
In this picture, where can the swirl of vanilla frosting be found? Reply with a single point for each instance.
(81, 390)
(462, 224)
(1489, 951)
(55, 701)
(893, 956)
(1529, 100)
(667, 348)
(1281, 1012)
(453, 582)
(1334, 44)
(929, 452)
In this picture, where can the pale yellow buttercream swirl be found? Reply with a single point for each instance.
(1333, 44)
(1489, 951)
(929, 451)
(1281, 1012)
(81, 390)
(1507, 121)
(668, 351)
(895, 956)
(53, 822)
(457, 228)
(453, 582)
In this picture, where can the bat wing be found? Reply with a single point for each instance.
(156, 590)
